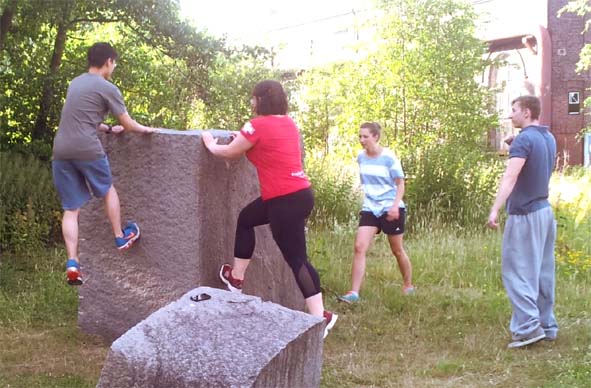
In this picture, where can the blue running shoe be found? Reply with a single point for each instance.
(73, 275)
(131, 233)
(409, 291)
(349, 297)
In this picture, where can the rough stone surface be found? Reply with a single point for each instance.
(186, 202)
(231, 340)
(568, 39)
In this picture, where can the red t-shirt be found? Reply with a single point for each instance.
(276, 155)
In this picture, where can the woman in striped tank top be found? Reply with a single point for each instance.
(382, 180)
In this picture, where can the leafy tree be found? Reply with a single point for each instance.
(419, 82)
(171, 74)
(226, 102)
(418, 79)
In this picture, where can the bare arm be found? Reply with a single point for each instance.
(235, 149)
(394, 211)
(133, 126)
(505, 189)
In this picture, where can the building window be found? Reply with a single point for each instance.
(574, 103)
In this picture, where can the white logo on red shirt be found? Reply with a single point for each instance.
(299, 174)
(248, 128)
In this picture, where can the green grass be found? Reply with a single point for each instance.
(452, 333)
(40, 344)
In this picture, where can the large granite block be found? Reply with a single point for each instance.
(230, 340)
(186, 202)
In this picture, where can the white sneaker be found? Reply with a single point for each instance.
(526, 341)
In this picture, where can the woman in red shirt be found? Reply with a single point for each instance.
(271, 142)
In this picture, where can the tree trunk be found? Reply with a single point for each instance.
(40, 130)
(6, 22)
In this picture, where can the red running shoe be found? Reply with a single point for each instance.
(74, 277)
(234, 285)
(330, 318)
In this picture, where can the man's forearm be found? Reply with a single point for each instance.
(505, 189)
(137, 127)
(508, 181)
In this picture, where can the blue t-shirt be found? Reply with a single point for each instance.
(377, 180)
(537, 146)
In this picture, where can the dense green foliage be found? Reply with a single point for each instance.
(337, 199)
(29, 208)
(171, 74)
(418, 79)
(452, 186)
(570, 198)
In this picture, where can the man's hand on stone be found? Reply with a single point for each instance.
(117, 128)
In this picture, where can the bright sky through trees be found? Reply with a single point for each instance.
(302, 33)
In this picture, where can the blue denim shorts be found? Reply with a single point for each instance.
(73, 180)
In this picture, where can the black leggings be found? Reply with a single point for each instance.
(287, 217)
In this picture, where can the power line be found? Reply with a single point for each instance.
(352, 12)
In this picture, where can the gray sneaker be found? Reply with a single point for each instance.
(527, 341)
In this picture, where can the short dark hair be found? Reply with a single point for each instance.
(271, 98)
(529, 102)
(374, 128)
(99, 53)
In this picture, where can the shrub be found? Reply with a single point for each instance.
(446, 186)
(29, 207)
(451, 186)
(336, 200)
(569, 195)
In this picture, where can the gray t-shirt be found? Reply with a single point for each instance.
(537, 146)
(90, 97)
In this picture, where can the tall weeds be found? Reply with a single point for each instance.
(569, 194)
(446, 185)
(337, 199)
(29, 207)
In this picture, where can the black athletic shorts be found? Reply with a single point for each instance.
(393, 227)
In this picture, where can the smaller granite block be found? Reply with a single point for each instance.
(230, 340)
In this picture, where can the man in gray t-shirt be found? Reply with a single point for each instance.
(90, 98)
(79, 161)
(530, 231)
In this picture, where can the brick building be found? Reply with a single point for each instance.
(539, 53)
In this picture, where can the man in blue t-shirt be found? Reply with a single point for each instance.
(530, 231)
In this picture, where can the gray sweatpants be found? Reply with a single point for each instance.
(528, 273)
